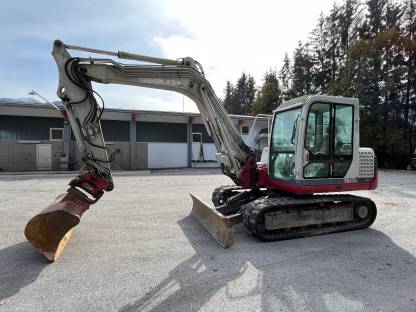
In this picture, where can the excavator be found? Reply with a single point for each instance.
(313, 152)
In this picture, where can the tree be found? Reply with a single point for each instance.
(333, 53)
(364, 49)
(269, 96)
(319, 50)
(409, 101)
(380, 93)
(302, 79)
(228, 91)
(245, 91)
(375, 18)
(349, 25)
(238, 99)
(285, 76)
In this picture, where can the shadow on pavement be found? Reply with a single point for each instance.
(20, 265)
(351, 271)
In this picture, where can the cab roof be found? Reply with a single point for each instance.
(306, 99)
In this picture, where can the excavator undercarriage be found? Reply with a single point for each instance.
(272, 215)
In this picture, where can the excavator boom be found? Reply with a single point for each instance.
(50, 230)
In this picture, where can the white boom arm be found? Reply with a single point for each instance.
(184, 76)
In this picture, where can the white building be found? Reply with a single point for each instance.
(37, 137)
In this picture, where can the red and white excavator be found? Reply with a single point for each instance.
(314, 148)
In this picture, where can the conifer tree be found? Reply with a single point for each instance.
(285, 77)
(302, 71)
(269, 97)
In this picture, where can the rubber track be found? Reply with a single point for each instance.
(253, 215)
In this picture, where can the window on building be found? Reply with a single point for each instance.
(200, 128)
(161, 132)
(116, 130)
(196, 137)
(245, 129)
(27, 127)
(56, 134)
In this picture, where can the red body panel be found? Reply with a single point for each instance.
(266, 182)
(92, 184)
(248, 177)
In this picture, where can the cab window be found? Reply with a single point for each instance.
(282, 149)
(317, 141)
(343, 136)
(343, 130)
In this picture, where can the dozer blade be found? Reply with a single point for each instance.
(214, 222)
(50, 230)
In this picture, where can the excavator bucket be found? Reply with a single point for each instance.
(50, 230)
(214, 222)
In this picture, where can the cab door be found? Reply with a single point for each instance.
(328, 141)
(342, 139)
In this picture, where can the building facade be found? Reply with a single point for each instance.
(37, 137)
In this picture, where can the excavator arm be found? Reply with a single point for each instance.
(184, 76)
(50, 230)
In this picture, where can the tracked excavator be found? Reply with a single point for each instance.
(313, 149)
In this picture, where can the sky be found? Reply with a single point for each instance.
(226, 37)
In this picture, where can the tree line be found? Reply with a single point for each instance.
(359, 49)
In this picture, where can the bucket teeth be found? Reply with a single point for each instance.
(50, 230)
(214, 222)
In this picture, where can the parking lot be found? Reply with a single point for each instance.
(138, 249)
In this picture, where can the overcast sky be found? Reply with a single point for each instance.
(226, 37)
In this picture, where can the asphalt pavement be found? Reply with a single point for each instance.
(138, 249)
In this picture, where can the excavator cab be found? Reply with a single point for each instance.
(314, 145)
(313, 148)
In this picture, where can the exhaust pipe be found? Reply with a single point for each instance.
(50, 230)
